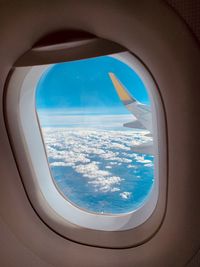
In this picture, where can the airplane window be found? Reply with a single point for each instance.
(96, 122)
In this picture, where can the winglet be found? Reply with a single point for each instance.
(123, 94)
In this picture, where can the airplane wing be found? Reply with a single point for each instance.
(141, 112)
(134, 124)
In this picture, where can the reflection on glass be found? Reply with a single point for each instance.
(97, 127)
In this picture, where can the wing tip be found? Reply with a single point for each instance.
(112, 76)
(121, 90)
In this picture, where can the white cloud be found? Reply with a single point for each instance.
(125, 195)
(100, 179)
(95, 154)
(150, 165)
(115, 189)
(63, 118)
(106, 184)
(108, 167)
(57, 164)
(90, 170)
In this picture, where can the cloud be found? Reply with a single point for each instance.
(95, 154)
(64, 119)
(58, 164)
(100, 179)
(106, 184)
(125, 195)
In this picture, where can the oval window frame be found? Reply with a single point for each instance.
(18, 82)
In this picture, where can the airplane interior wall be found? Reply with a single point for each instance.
(165, 36)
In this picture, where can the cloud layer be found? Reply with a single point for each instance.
(102, 158)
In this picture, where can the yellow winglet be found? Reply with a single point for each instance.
(121, 91)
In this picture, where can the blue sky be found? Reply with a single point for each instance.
(84, 88)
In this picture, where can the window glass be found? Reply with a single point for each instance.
(96, 122)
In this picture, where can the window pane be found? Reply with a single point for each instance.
(96, 122)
